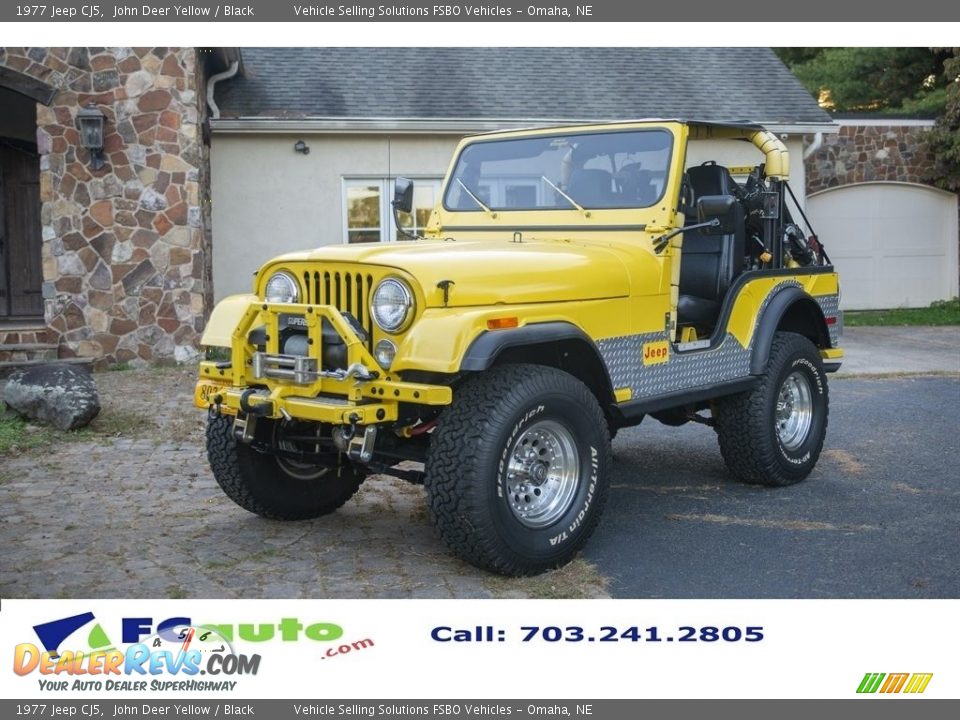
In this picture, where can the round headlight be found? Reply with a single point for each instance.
(392, 305)
(282, 288)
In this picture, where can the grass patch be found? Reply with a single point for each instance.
(113, 422)
(941, 312)
(119, 367)
(18, 435)
(578, 579)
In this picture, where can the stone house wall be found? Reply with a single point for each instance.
(125, 259)
(864, 153)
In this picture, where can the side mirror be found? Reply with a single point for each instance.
(717, 207)
(403, 195)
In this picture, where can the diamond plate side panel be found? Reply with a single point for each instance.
(830, 304)
(774, 290)
(621, 355)
(728, 361)
(623, 358)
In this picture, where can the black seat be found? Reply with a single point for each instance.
(592, 188)
(635, 185)
(709, 263)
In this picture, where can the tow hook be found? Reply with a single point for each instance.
(244, 428)
(258, 409)
(358, 446)
(361, 448)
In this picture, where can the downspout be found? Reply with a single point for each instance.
(816, 145)
(212, 84)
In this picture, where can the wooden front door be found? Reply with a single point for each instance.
(21, 272)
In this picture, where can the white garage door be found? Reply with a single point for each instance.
(894, 244)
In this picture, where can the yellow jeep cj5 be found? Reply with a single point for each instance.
(572, 280)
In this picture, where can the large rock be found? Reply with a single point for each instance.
(64, 396)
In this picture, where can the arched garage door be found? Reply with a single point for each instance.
(894, 244)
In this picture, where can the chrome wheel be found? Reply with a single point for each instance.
(794, 411)
(543, 474)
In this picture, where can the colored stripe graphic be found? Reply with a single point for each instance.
(870, 682)
(918, 683)
(895, 682)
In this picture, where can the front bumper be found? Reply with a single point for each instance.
(270, 384)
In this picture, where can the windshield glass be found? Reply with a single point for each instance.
(623, 169)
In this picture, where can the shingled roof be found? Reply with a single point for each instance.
(518, 83)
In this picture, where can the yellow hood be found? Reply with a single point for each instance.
(490, 272)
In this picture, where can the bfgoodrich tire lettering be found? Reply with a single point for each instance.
(257, 482)
(773, 434)
(514, 420)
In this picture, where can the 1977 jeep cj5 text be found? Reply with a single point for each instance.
(572, 280)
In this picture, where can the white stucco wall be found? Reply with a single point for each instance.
(268, 199)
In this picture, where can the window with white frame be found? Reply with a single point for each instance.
(368, 216)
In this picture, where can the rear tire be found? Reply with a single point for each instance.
(272, 488)
(517, 472)
(773, 434)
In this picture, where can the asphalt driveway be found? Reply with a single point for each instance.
(878, 518)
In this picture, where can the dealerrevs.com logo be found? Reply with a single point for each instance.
(77, 653)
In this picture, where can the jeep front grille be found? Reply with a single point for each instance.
(346, 291)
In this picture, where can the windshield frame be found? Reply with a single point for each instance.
(559, 133)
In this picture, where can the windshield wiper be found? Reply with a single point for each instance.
(565, 196)
(475, 198)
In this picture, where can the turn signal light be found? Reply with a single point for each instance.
(502, 323)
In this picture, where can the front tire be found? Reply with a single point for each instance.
(271, 487)
(773, 434)
(517, 472)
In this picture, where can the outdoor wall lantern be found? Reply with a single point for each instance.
(301, 147)
(90, 119)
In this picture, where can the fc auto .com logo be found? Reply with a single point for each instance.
(174, 647)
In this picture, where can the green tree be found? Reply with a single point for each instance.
(864, 79)
(795, 56)
(945, 138)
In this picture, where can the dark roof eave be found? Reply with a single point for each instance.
(473, 125)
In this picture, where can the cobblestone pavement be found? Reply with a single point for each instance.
(131, 510)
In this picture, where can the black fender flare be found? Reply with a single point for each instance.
(486, 347)
(777, 306)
